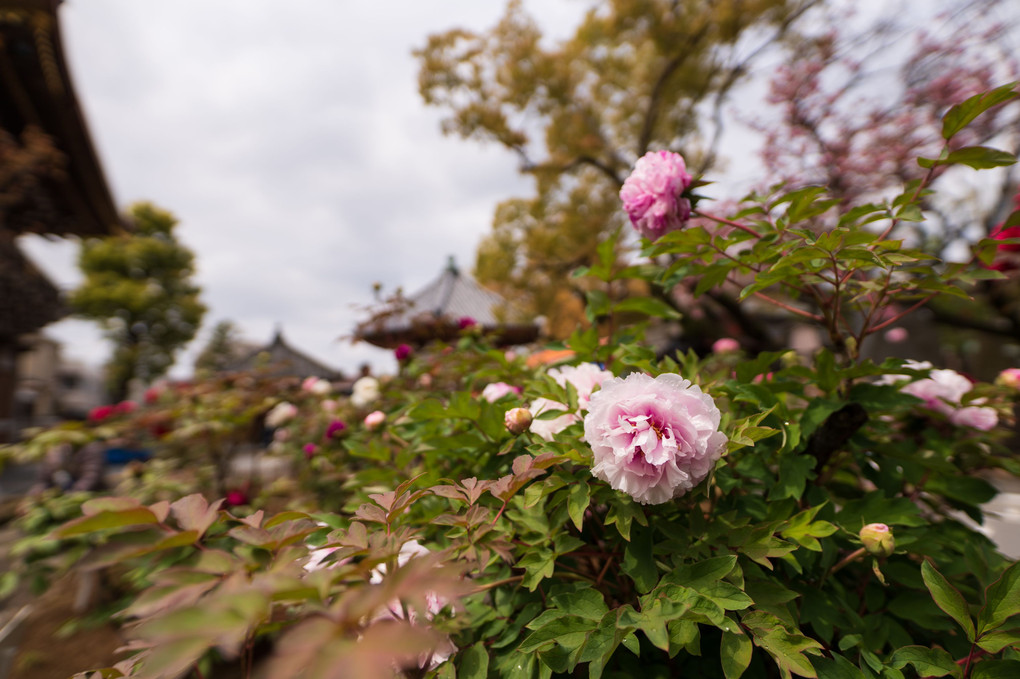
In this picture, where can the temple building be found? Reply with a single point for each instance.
(280, 359)
(51, 180)
(441, 310)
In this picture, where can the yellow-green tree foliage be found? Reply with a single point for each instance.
(139, 287)
(637, 75)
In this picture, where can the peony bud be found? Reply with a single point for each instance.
(517, 420)
(375, 419)
(878, 539)
(403, 352)
(1010, 378)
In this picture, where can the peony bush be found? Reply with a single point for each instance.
(629, 513)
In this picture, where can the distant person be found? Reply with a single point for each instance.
(73, 468)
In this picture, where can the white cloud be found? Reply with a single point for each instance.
(291, 143)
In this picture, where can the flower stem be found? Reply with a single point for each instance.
(721, 220)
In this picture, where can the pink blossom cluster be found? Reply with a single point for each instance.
(497, 390)
(584, 378)
(942, 392)
(653, 194)
(653, 438)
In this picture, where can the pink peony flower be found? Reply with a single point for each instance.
(434, 603)
(465, 322)
(317, 386)
(725, 345)
(375, 419)
(653, 438)
(403, 352)
(942, 391)
(280, 414)
(653, 194)
(585, 378)
(310, 449)
(1010, 377)
(328, 406)
(497, 390)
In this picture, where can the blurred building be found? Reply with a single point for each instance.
(280, 359)
(441, 311)
(51, 181)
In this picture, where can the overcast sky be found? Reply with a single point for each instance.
(290, 141)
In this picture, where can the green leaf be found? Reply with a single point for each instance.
(622, 512)
(836, 667)
(979, 157)
(586, 603)
(474, 662)
(996, 640)
(735, 653)
(996, 669)
(1002, 600)
(948, 598)
(106, 520)
(928, 662)
(578, 501)
(786, 648)
(638, 561)
(649, 306)
(961, 115)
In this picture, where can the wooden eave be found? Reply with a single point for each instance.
(36, 90)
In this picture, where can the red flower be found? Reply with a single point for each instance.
(100, 413)
(403, 352)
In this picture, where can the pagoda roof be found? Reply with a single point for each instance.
(39, 101)
(280, 359)
(440, 310)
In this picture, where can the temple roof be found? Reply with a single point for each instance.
(440, 310)
(279, 359)
(39, 109)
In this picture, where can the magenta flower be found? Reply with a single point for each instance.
(334, 428)
(465, 322)
(236, 498)
(653, 194)
(654, 439)
(403, 352)
(100, 413)
(310, 450)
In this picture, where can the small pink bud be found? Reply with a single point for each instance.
(310, 450)
(877, 539)
(1010, 377)
(403, 352)
(896, 335)
(517, 420)
(375, 419)
(725, 345)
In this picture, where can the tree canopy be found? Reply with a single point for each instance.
(636, 75)
(139, 287)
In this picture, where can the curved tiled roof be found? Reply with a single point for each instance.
(436, 311)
